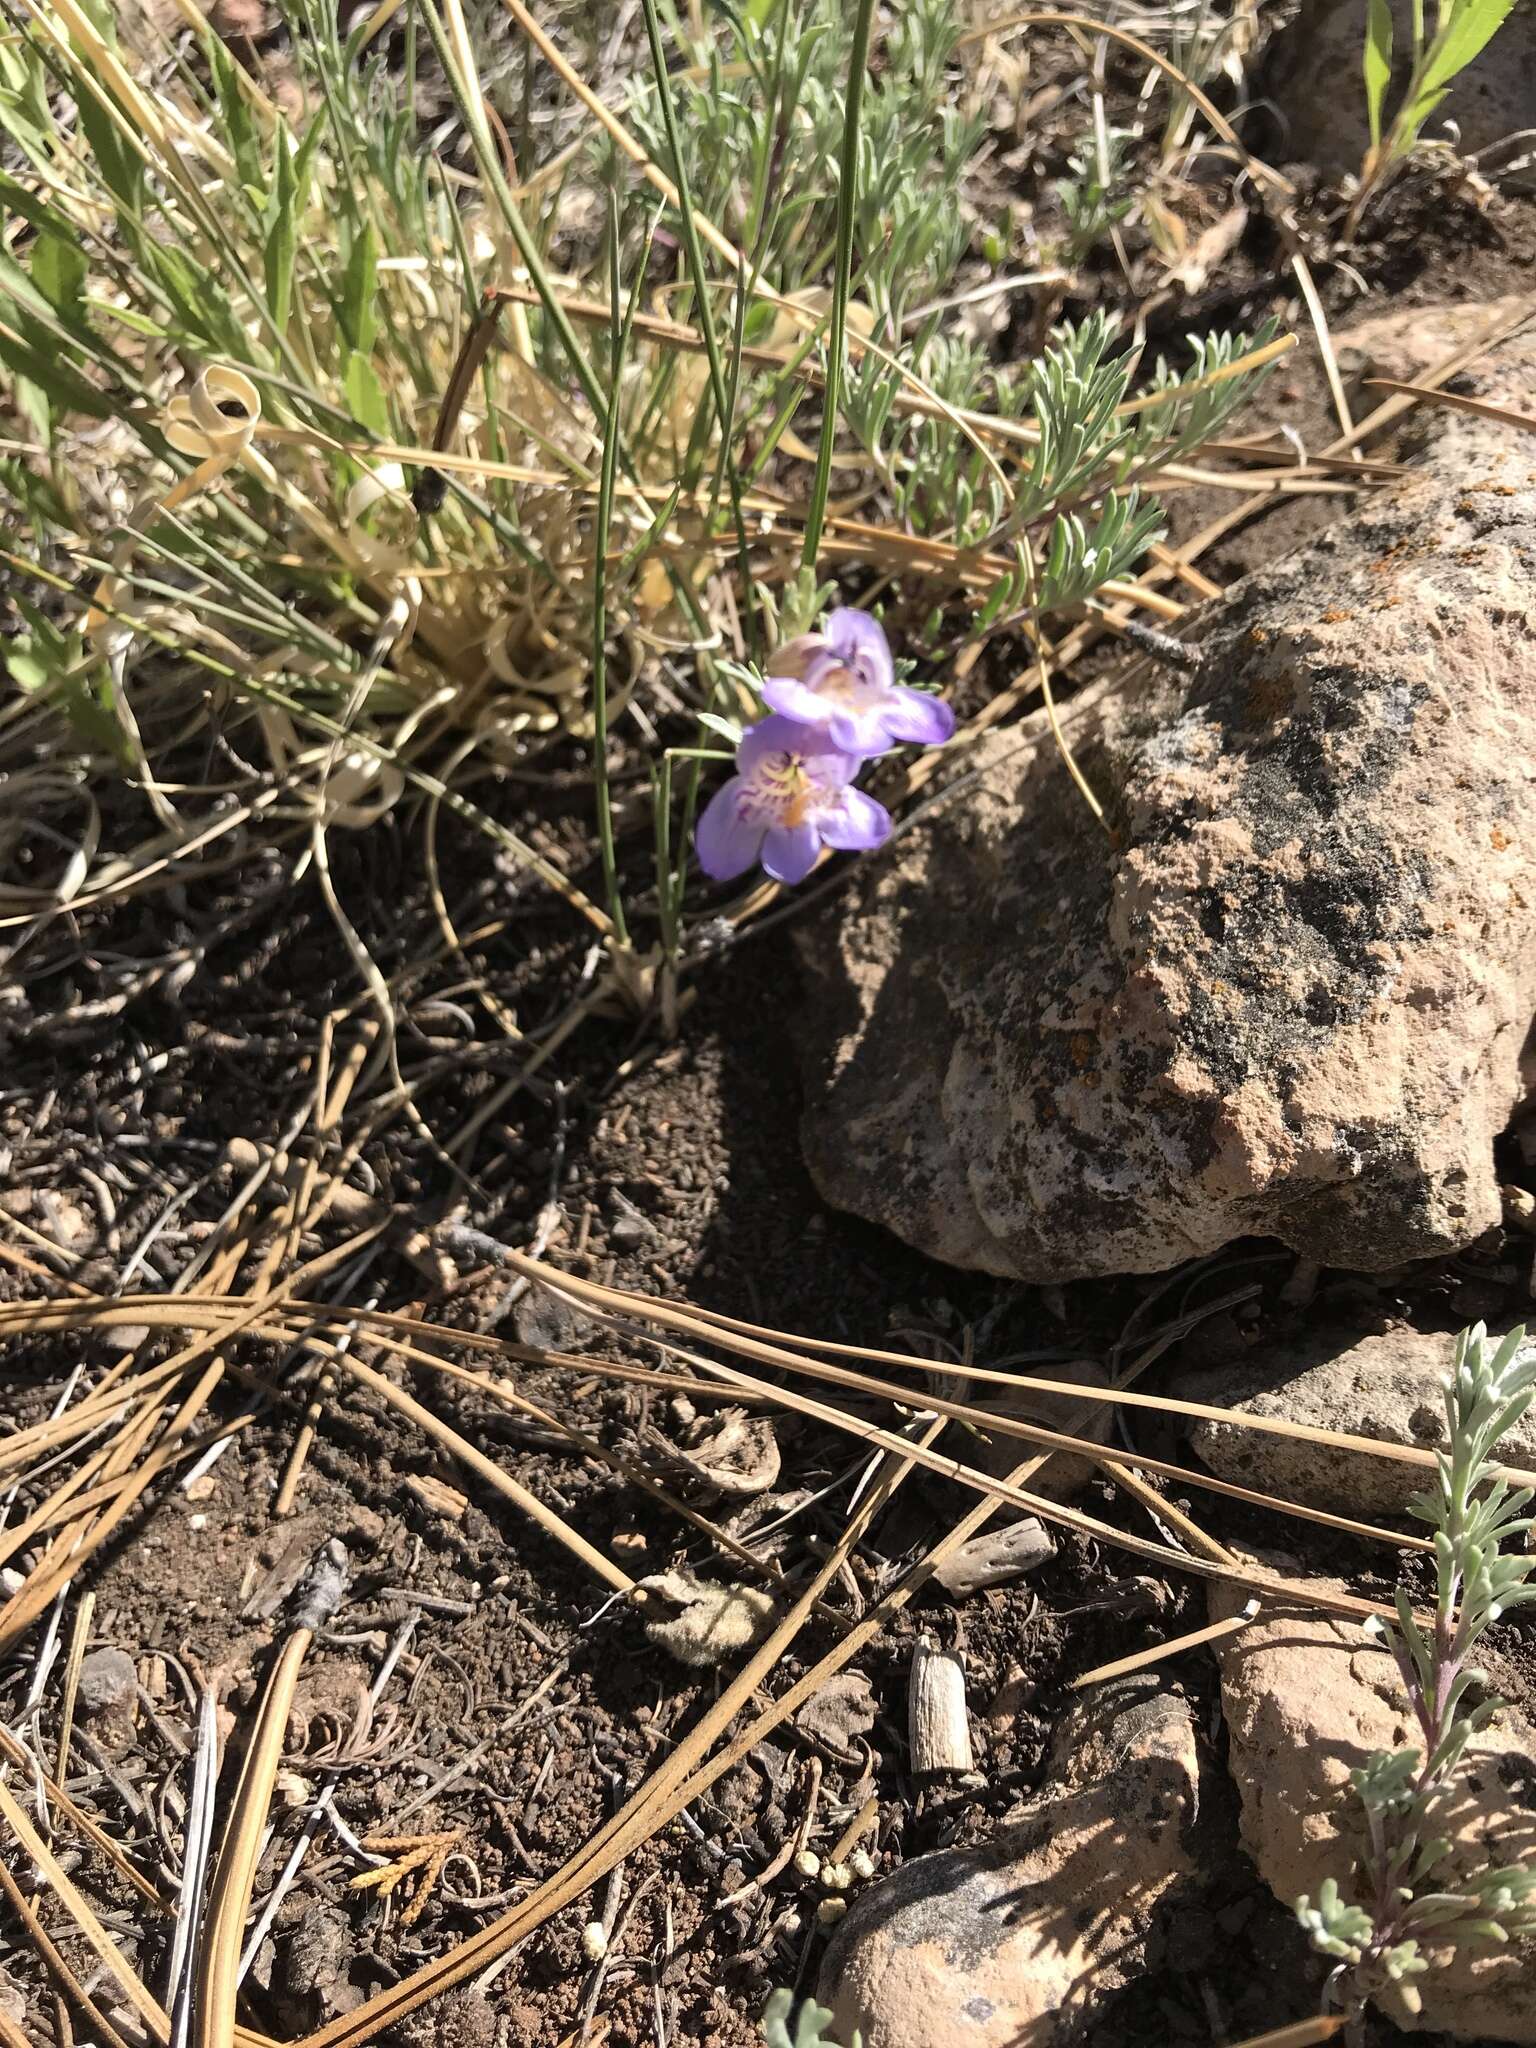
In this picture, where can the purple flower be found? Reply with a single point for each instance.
(791, 795)
(841, 681)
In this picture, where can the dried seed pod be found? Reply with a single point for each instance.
(938, 1727)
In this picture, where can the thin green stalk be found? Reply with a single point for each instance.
(473, 110)
(723, 402)
(847, 198)
(621, 331)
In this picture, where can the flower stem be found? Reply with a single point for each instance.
(847, 206)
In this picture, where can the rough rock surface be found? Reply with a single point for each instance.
(1006, 1944)
(108, 1697)
(1386, 1386)
(1306, 1700)
(1312, 74)
(1288, 995)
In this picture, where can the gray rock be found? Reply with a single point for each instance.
(109, 1683)
(1008, 1945)
(1387, 1387)
(1288, 995)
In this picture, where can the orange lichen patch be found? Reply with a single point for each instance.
(1334, 617)
(1083, 1046)
(1258, 636)
(1498, 839)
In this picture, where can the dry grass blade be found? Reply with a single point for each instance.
(1504, 414)
(64, 1806)
(292, 1319)
(55, 1964)
(1264, 175)
(216, 1972)
(1175, 1646)
(83, 1915)
(1301, 2034)
(485, 1468)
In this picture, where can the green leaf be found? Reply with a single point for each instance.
(59, 269)
(121, 166)
(48, 664)
(281, 248)
(239, 127)
(365, 395)
(358, 290)
(1377, 64)
(1469, 31)
(34, 356)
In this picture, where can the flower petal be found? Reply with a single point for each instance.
(856, 823)
(727, 842)
(795, 656)
(862, 644)
(777, 735)
(912, 715)
(860, 732)
(789, 852)
(794, 699)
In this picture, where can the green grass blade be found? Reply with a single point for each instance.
(847, 209)
(1377, 64)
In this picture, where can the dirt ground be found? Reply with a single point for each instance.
(525, 1705)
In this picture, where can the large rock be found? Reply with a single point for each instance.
(1387, 1386)
(1287, 994)
(1008, 1944)
(1307, 1699)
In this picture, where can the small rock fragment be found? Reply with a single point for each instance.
(1006, 1945)
(843, 1709)
(1388, 1386)
(108, 1697)
(995, 1557)
(702, 1623)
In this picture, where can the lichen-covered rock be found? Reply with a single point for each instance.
(1388, 1386)
(1008, 1945)
(1307, 1698)
(1287, 993)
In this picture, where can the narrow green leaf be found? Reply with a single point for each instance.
(29, 352)
(282, 232)
(1377, 64)
(1465, 36)
(239, 126)
(59, 269)
(121, 167)
(365, 396)
(358, 288)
